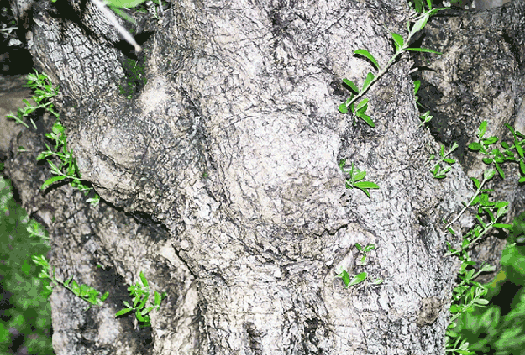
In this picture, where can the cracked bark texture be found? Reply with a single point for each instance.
(478, 78)
(219, 179)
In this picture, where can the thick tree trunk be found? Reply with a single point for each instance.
(220, 178)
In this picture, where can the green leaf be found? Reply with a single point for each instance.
(361, 104)
(359, 176)
(358, 279)
(368, 80)
(399, 44)
(367, 54)
(476, 182)
(474, 146)
(365, 118)
(123, 311)
(127, 4)
(105, 296)
(501, 173)
(450, 161)
(423, 50)
(157, 298)
(351, 84)
(143, 278)
(346, 278)
(519, 149)
(420, 23)
(489, 174)
(490, 140)
(482, 129)
(343, 108)
(502, 225)
(417, 84)
(51, 181)
(366, 185)
(454, 308)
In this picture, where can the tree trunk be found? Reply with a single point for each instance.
(220, 180)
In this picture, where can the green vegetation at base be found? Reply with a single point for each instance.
(27, 312)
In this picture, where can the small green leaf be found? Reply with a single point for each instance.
(157, 298)
(143, 278)
(502, 225)
(399, 44)
(366, 118)
(361, 104)
(358, 279)
(501, 173)
(351, 84)
(368, 80)
(123, 311)
(367, 54)
(51, 181)
(490, 140)
(482, 129)
(359, 176)
(489, 174)
(366, 185)
(476, 182)
(474, 146)
(519, 149)
(417, 84)
(423, 50)
(343, 108)
(420, 23)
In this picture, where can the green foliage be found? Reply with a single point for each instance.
(141, 295)
(85, 292)
(31, 283)
(43, 91)
(426, 116)
(488, 330)
(401, 47)
(135, 78)
(26, 307)
(355, 176)
(357, 279)
(438, 171)
(469, 295)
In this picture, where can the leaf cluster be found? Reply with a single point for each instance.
(355, 177)
(401, 47)
(469, 294)
(43, 92)
(357, 279)
(141, 294)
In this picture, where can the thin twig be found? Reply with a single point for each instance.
(109, 15)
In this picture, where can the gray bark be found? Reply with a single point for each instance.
(248, 94)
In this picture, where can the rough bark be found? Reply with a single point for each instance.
(248, 93)
(478, 78)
